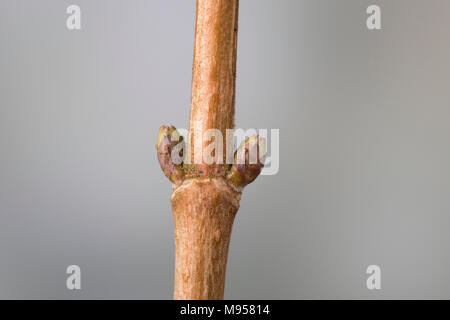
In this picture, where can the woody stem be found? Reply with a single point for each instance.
(204, 206)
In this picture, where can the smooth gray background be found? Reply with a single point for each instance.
(364, 136)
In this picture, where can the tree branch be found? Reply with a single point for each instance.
(205, 197)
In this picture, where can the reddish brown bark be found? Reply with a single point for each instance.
(214, 73)
(205, 197)
(204, 211)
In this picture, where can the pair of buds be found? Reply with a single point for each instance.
(247, 163)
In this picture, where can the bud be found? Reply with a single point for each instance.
(248, 161)
(168, 138)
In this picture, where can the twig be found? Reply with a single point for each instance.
(205, 197)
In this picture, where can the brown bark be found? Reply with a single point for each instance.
(205, 197)
(213, 75)
(204, 211)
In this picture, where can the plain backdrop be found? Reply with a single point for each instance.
(364, 148)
